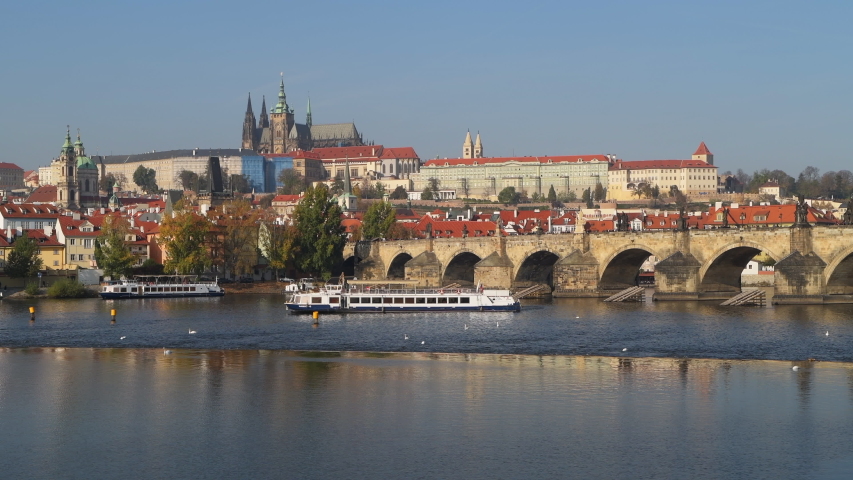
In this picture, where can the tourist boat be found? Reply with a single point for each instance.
(161, 286)
(400, 296)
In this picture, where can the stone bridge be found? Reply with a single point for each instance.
(813, 264)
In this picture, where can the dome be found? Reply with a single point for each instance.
(86, 163)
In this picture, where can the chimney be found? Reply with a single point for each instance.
(132, 222)
(102, 210)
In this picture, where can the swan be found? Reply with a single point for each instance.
(123, 337)
(466, 326)
(167, 352)
(795, 368)
(827, 333)
(405, 336)
(192, 332)
(422, 342)
(624, 349)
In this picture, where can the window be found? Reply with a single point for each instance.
(87, 243)
(56, 263)
(56, 251)
(72, 241)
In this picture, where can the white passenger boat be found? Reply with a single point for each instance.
(400, 296)
(161, 286)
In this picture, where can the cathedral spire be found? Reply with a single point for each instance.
(308, 116)
(249, 127)
(478, 147)
(66, 147)
(264, 121)
(281, 106)
(468, 146)
(347, 182)
(249, 107)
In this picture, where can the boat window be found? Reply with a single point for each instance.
(410, 300)
(192, 289)
(420, 300)
(464, 299)
(387, 300)
(335, 300)
(354, 300)
(442, 299)
(147, 289)
(377, 300)
(430, 299)
(316, 300)
(398, 300)
(123, 290)
(453, 300)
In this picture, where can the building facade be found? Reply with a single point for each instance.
(11, 176)
(485, 177)
(697, 176)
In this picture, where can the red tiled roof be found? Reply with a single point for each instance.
(351, 152)
(646, 164)
(399, 152)
(28, 210)
(295, 154)
(498, 160)
(43, 194)
(287, 198)
(9, 165)
(702, 150)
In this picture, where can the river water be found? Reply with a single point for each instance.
(701, 391)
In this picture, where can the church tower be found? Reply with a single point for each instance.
(308, 115)
(88, 194)
(702, 153)
(478, 147)
(249, 135)
(468, 146)
(63, 173)
(281, 122)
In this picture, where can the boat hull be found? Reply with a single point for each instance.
(116, 296)
(296, 308)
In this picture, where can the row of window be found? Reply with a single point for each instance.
(75, 257)
(404, 300)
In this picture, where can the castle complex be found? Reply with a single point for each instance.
(278, 132)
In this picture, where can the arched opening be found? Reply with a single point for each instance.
(347, 267)
(623, 271)
(537, 269)
(87, 185)
(840, 282)
(461, 269)
(71, 196)
(724, 273)
(397, 270)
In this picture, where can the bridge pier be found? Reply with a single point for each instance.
(425, 268)
(677, 277)
(494, 271)
(576, 275)
(799, 279)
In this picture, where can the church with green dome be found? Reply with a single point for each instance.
(75, 176)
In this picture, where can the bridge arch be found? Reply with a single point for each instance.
(838, 275)
(460, 268)
(397, 266)
(621, 269)
(536, 268)
(721, 273)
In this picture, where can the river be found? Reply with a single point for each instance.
(700, 391)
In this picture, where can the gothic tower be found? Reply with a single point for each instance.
(308, 115)
(468, 146)
(281, 122)
(478, 147)
(63, 172)
(249, 134)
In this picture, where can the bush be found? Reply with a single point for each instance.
(66, 288)
(32, 288)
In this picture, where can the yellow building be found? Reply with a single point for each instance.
(697, 176)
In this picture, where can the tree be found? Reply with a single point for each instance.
(552, 194)
(600, 194)
(509, 196)
(808, 183)
(587, 197)
(240, 183)
(183, 237)
(188, 180)
(338, 186)
(237, 237)
(680, 198)
(23, 259)
(466, 190)
(111, 250)
(377, 221)
(146, 179)
(277, 244)
(321, 235)
(399, 193)
(292, 183)
(426, 194)
(265, 201)
(435, 186)
(107, 182)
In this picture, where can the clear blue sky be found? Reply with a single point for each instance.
(766, 84)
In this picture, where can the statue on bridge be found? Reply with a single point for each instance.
(622, 222)
(682, 220)
(464, 231)
(847, 219)
(801, 218)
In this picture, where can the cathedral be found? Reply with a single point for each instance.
(278, 132)
(75, 176)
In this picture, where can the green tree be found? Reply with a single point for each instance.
(509, 196)
(239, 183)
(435, 186)
(587, 197)
(23, 260)
(188, 180)
(600, 194)
(292, 183)
(277, 244)
(399, 193)
(337, 186)
(321, 235)
(111, 250)
(377, 221)
(235, 237)
(146, 179)
(183, 237)
(552, 194)
(427, 193)
(680, 198)
(107, 182)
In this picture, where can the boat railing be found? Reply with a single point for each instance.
(413, 291)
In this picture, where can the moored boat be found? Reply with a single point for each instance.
(161, 286)
(400, 296)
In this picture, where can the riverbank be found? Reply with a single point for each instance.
(263, 288)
